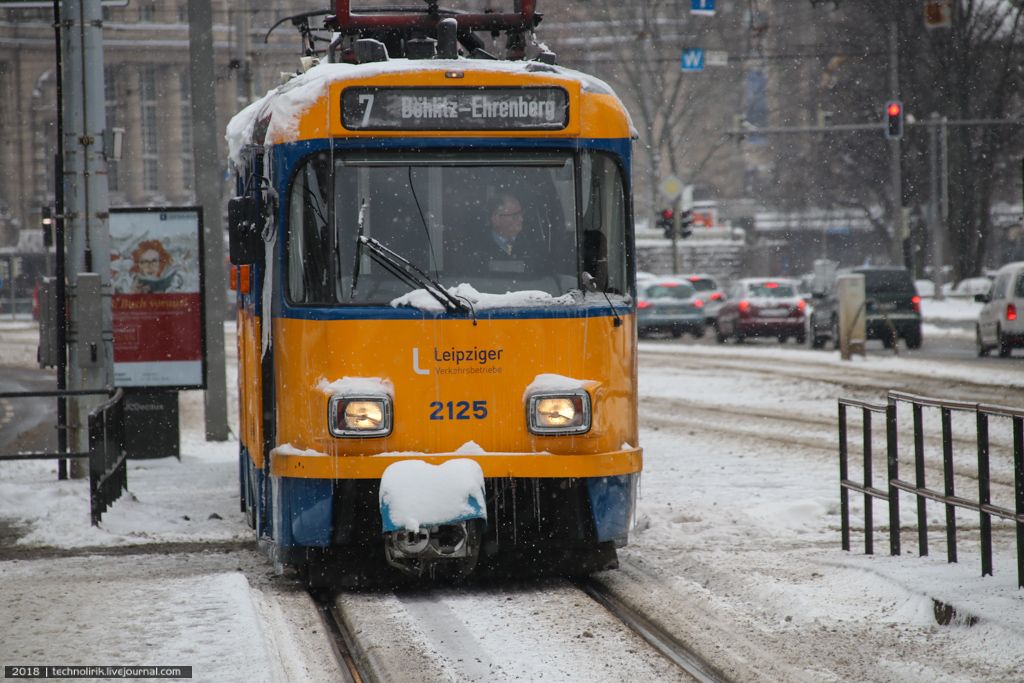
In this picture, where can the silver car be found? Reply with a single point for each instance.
(666, 305)
(1000, 322)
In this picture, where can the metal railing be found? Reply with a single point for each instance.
(983, 505)
(107, 455)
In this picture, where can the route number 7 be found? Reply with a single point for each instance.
(368, 101)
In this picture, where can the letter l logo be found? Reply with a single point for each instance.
(416, 362)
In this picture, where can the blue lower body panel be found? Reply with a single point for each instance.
(612, 500)
(302, 510)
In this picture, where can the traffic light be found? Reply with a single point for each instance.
(685, 223)
(894, 120)
(666, 222)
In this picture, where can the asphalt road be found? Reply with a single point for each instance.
(27, 424)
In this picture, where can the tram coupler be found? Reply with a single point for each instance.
(453, 547)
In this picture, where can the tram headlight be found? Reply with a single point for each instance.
(559, 413)
(359, 416)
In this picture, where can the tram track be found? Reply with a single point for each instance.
(772, 426)
(663, 641)
(854, 377)
(351, 665)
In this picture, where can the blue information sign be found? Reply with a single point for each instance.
(692, 60)
(702, 6)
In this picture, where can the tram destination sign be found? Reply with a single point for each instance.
(402, 108)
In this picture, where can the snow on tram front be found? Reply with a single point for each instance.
(433, 252)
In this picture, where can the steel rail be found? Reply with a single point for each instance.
(661, 640)
(351, 668)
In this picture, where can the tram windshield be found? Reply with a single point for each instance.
(501, 222)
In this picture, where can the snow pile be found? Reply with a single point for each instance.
(357, 386)
(241, 127)
(550, 383)
(950, 310)
(288, 449)
(415, 494)
(420, 299)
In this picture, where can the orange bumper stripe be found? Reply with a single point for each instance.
(493, 465)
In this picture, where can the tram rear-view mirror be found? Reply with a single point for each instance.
(245, 238)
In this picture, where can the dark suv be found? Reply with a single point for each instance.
(893, 308)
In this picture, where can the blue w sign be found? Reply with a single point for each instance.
(692, 60)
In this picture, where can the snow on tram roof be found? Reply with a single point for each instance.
(285, 102)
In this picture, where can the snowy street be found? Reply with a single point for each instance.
(735, 551)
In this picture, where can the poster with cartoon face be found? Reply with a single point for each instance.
(156, 276)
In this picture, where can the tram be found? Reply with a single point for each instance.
(433, 254)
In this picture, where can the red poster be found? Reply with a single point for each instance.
(157, 297)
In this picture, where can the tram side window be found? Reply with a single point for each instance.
(604, 222)
(309, 273)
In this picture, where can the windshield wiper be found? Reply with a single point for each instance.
(405, 271)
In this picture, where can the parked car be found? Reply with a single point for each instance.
(665, 305)
(1000, 322)
(709, 292)
(762, 307)
(892, 308)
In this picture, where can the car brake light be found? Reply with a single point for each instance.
(643, 304)
(771, 285)
(1011, 312)
(716, 296)
(801, 305)
(744, 307)
(915, 301)
(698, 303)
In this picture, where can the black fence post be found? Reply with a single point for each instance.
(869, 518)
(984, 495)
(919, 481)
(892, 453)
(1018, 487)
(844, 495)
(950, 485)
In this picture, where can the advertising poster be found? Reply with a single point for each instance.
(157, 281)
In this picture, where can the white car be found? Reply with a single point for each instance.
(1000, 323)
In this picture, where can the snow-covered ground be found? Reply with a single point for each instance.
(736, 546)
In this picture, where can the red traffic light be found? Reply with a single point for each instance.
(667, 214)
(894, 120)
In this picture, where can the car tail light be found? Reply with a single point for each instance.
(716, 296)
(643, 304)
(1011, 312)
(801, 306)
(915, 301)
(771, 285)
(744, 307)
(698, 303)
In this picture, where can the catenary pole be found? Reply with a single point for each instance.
(208, 183)
(90, 334)
(900, 233)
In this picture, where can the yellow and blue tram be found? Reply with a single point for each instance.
(409, 395)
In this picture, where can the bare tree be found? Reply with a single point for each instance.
(637, 48)
(968, 72)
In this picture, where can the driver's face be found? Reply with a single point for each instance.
(507, 220)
